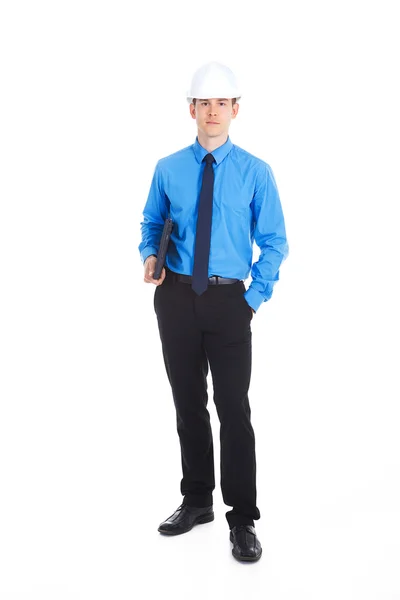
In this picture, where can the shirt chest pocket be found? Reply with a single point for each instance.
(235, 204)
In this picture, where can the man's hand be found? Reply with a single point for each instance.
(149, 267)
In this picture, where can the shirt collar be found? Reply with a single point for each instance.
(219, 153)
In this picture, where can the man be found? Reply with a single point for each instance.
(220, 199)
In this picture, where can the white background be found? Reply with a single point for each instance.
(92, 95)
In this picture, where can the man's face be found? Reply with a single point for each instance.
(213, 115)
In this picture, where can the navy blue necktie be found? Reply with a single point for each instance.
(203, 231)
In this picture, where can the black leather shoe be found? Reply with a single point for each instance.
(184, 518)
(246, 545)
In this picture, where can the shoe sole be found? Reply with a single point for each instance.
(245, 558)
(199, 521)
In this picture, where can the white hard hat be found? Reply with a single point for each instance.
(213, 80)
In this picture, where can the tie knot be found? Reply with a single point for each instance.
(209, 159)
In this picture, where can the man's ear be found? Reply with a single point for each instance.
(192, 110)
(235, 110)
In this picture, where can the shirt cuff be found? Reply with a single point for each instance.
(253, 298)
(148, 252)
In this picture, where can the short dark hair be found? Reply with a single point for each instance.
(233, 101)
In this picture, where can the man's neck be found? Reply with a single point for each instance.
(211, 143)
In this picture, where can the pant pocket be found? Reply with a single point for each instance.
(249, 309)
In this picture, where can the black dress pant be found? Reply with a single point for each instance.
(196, 332)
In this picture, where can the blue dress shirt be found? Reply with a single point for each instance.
(246, 207)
